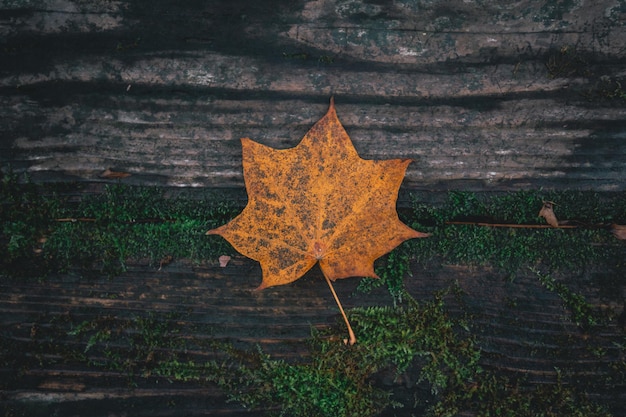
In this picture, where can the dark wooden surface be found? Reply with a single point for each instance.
(522, 329)
(488, 96)
(480, 94)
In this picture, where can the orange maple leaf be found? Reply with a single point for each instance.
(318, 201)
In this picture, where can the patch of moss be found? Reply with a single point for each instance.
(44, 231)
(418, 343)
(45, 228)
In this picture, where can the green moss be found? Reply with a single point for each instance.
(392, 270)
(45, 229)
(419, 343)
(141, 346)
(513, 248)
(582, 313)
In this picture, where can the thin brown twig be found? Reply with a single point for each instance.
(74, 220)
(92, 220)
(516, 226)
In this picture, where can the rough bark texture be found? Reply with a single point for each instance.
(513, 94)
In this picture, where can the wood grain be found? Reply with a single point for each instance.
(521, 328)
(484, 96)
(514, 95)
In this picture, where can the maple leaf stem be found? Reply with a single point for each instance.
(343, 313)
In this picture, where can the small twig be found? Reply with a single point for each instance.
(74, 220)
(92, 220)
(516, 226)
(343, 313)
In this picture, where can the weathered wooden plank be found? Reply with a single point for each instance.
(498, 96)
(521, 328)
(515, 94)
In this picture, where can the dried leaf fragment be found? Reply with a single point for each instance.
(110, 174)
(166, 260)
(619, 231)
(547, 213)
(223, 260)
